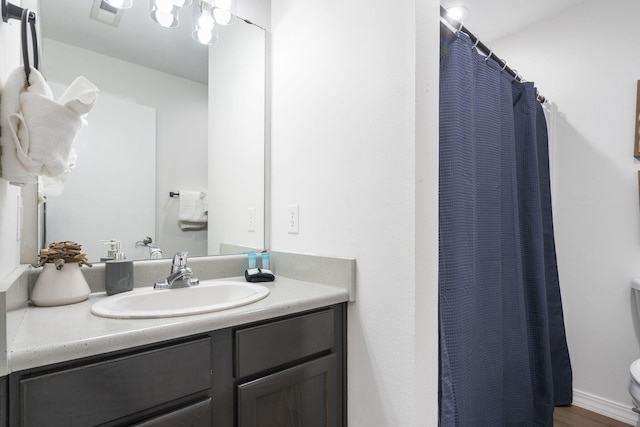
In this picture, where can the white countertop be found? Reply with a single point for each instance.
(47, 335)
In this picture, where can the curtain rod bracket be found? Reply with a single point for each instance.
(11, 11)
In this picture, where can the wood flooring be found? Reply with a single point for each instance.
(573, 416)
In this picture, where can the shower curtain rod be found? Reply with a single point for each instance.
(483, 48)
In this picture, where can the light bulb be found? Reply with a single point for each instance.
(205, 22)
(164, 5)
(204, 36)
(164, 13)
(208, 37)
(457, 12)
(222, 17)
(164, 19)
(224, 11)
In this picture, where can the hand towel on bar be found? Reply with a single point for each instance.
(37, 131)
(193, 210)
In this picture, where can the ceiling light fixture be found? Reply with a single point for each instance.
(205, 28)
(207, 15)
(164, 13)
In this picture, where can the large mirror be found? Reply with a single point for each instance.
(178, 129)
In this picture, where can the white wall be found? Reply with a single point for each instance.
(344, 148)
(108, 187)
(181, 131)
(587, 61)
(237, 138)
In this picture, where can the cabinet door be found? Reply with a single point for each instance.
(302, 396)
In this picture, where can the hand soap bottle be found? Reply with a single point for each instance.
(113, 248)
(118, 273)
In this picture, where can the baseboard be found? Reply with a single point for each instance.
(605, 407)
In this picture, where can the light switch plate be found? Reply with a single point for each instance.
(252, 219)
(293, 219)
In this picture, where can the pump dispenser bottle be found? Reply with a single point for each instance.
(111, 251)
(118, 273)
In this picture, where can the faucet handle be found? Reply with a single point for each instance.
(179, 262)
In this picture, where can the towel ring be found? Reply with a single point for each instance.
(27, 22)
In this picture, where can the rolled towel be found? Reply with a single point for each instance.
(38, 132)
(193, 210)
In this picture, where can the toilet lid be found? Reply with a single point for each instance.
(635, 371)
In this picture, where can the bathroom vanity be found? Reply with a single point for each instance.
(292, 366)
(279, 361)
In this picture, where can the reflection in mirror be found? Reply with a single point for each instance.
(172, 116)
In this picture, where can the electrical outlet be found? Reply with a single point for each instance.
(293, 219)
(252, 219)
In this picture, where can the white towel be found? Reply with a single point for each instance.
(37, 131)
(193, 210)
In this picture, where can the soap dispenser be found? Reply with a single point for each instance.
(111, 251)
(118, 273)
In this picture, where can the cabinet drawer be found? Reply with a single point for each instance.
(274, 344)
(105, 391)
(195, 415)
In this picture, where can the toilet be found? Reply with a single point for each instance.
(634, 385)
(634, 381)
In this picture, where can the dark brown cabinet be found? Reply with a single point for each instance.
(195, 415)
(123, 389)
(290, 373)
(4, 412)
(301, 396)
(282, 372)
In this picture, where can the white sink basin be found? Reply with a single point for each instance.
(208, 296)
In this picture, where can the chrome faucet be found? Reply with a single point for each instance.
(154, 251)
(180, 276)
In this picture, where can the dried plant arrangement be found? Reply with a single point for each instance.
(60, 253)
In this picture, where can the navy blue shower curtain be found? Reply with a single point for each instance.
(503, 354)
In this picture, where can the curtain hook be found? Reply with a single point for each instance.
(486, 59)
(504, 67)
(475, 45)
(460, 26)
